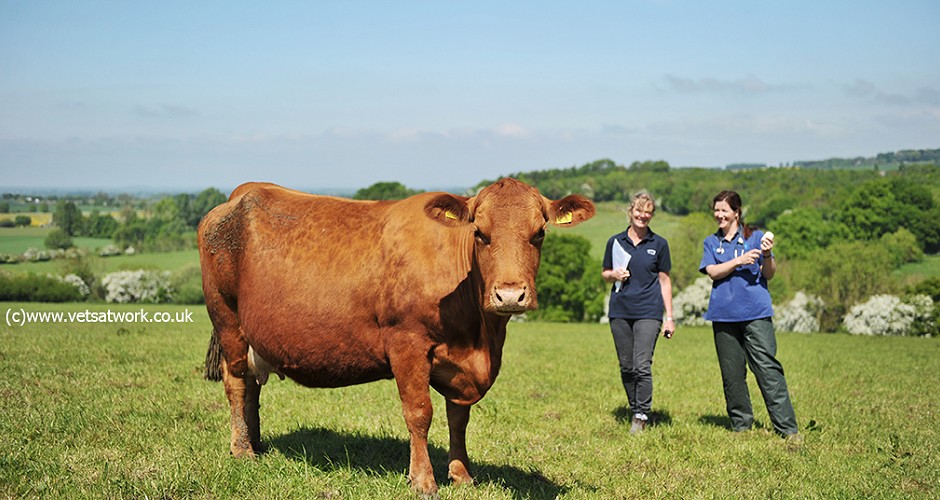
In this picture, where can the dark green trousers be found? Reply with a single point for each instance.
(754, 344)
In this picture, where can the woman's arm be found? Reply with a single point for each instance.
(723, 270)
(769, 268)
(665, 286)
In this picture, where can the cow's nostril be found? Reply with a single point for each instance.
(498, 298)
(522, 298)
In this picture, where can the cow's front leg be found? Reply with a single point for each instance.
(413, 378)
(458, 466)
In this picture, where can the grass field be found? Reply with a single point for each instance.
(121, 410)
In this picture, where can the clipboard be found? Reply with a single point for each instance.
(621, 259)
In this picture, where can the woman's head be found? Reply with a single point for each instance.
(727, 210)
(642, 208)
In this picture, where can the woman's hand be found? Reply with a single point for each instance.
(615, 275)
(766, 245)
(749, 257)
(669, 328)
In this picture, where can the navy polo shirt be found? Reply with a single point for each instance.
(640, 296)
(742, 295)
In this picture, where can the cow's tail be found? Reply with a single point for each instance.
(214, 360)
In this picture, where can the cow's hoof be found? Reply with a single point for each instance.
(243, 452)
(424, 486)
(459, 474)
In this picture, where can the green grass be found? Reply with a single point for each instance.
(928, 267)
(121, 410)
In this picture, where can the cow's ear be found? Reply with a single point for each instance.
(570, 210)
(448, 209)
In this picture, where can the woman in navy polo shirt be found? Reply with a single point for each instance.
(740, 260)
(637, 263)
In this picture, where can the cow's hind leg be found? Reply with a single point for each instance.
(243, 394)
(458, 467)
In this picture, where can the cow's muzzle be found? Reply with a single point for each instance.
(510, 299)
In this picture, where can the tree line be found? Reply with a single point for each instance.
(169, 224)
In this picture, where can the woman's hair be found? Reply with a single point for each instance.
(733, 200)
(643, 199)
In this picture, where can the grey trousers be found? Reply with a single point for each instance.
(635, 340)
(753, 343)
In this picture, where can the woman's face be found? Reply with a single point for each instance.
(726, 218)
(640, 215)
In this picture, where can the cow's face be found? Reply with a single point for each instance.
(509, 220)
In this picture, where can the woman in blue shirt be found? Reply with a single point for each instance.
(740, 260)
(637, 264)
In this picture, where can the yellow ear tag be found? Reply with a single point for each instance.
(565, 219)
(450, 215)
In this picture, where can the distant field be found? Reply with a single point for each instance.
(930, 266)
(16, 240)
(36, 218)
(121, 411)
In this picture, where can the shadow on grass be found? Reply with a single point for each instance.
(657, 417)
(716, 420)
(724, 422)
(327, 450)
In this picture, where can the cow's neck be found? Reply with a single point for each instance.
(466, 364)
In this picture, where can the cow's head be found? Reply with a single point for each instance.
(508, 219)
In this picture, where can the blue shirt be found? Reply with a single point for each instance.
(640, 296)
(743, 294)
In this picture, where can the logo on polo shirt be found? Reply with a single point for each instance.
(651, 251)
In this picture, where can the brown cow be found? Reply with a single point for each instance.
(333, 292)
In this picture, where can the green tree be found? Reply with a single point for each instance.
(100, 226)
(803, 230)
(68, 218)
(902, 246)
(384, 191)
(58, 239)
(205, 201)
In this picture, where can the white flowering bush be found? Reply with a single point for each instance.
(76, 281)
(690, 304)
(889, 315)
(109, 251)
(137, 286)
(36, 255)
(799, 315)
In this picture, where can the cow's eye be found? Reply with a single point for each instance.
(481, 237)
(538, 237)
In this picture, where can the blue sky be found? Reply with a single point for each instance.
(325, 95)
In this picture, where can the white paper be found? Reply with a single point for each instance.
(620, 259)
